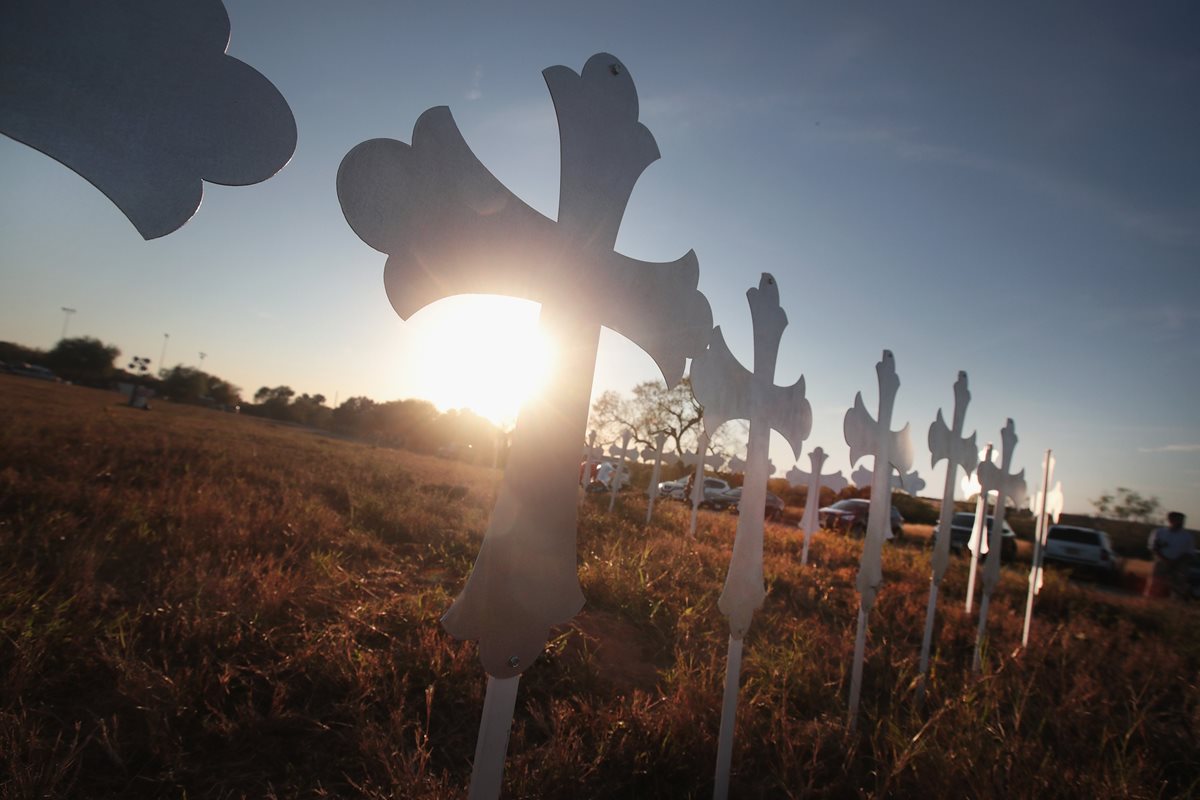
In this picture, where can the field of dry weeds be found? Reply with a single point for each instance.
(195, 604)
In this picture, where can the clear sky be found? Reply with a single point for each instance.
(1009, 189)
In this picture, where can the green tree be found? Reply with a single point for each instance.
(352, 416)
(222, 392)
(185, 385)
(274, 402)
(12, 353)
(83, 360)
(1128, 504)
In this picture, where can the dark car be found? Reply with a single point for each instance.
(850, 516)
(774, 508)
(33, 371)
(960, 534)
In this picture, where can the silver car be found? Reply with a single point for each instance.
(1085, 548)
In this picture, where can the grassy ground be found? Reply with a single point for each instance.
(195, 604)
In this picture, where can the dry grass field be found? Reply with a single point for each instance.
(200, 605)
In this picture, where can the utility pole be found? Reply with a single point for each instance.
(162, 361)
(67, 312)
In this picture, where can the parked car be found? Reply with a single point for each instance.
(961, 525)
(1086, 549)
(773, 510)
(714, 489)
(850, 516)
(668, 488)
(33, 371)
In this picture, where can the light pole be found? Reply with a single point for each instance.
(67, 312)
(202, 357)
(162, 361)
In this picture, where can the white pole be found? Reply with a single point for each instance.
(944, 523)
(67, 312)
(978, 532)
(733, 670)
(860, 646)
(981, 633)
(1035, 569)
(162, 359)
(698, 486)
(927, 640)
(487, 772)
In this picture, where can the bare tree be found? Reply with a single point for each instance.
(652, 408)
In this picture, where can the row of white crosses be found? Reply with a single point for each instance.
(449, 227)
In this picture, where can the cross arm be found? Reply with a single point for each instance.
(721, 383)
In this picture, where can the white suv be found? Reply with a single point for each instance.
(1082, 547)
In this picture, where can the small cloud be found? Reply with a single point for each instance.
(1172, 448)
(475, 92)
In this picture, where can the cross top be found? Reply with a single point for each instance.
(624, 451)
(997, 478)
(656, 452)
(727, 390)
(1054, 501)
(738, 464)
(817, 457)
(812, 501)
(450, 227)
(591, 450)
(1006, 485)
(866, 435)
(948, 443)
(910, 482)
(711, 461)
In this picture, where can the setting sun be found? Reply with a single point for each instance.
(481, 352)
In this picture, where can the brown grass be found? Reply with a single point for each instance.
(202, 605)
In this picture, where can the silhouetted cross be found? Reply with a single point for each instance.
(727, 390)
(449, 227)
(812, 501)
(958, 451)
(867, 436)
(1006, 485)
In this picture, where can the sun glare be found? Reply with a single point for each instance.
(481, 352)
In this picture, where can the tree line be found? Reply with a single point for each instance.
(412, 424)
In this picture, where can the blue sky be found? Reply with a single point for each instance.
(1012, 190)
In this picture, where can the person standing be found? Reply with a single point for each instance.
(1173, 548)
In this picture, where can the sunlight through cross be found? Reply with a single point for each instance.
(450, 227)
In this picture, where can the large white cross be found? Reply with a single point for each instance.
(727, 390)
(1046, 503)
(450, 227)
(1006, 485)
(812, 502)
(892, 449)
(945, 443)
